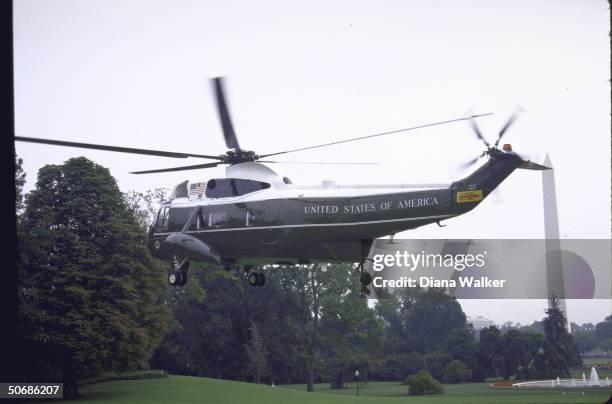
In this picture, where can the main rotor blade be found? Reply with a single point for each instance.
(376, 135)
(113, 148)
(226, 121)
(468, 163)
(503, 130)
(308, 162)
(477, 132)
(183, 168)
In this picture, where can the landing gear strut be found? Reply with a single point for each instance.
(365, 278)
(178, 273)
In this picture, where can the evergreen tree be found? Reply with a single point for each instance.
(89, 290)
(548, 363)
(555, 331)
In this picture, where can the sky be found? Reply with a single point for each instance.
(135, 74)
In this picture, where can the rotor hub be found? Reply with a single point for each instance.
(239, 156)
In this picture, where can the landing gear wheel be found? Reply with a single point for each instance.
(174, 278)
(253, 279)
(177, 278)
(256, 279)
(365, 278)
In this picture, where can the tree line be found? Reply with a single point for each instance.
(92, 300)
(594, 338)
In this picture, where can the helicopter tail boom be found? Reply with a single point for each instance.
(471, 190)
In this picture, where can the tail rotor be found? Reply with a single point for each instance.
(488, 146)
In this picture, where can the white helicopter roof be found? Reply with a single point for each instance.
(283, 187)
(256, 171)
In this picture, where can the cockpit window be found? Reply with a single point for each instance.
(162, 217)
(228, 187)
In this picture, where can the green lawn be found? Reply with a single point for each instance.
(184, 389)
(464, 393)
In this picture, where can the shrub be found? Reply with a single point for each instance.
(423, 383)
(457, 372)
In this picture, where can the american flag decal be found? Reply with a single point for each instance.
(197, 188)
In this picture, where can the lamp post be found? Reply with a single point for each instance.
(357, 379)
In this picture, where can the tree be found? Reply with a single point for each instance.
(537, 327)
(257, 354)
(603, 330)
(519, 350)
(213, 320)
(491, 351)
(435, 363)
(462, 345)
(214, 331)
(89, 291)
(457, 372)
(555, 331)
(278, 310)
(432, 318)
(145, 204)
(351, 336)
(548, 363)
(172, 354)
(585, 341)
(419, 320)
(400, 366)
(606, 344)
(422, 383)
(20, 179)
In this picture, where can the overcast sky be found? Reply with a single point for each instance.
(135, 74)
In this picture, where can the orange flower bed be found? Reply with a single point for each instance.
(503, 383)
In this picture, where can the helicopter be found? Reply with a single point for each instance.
(253, 213)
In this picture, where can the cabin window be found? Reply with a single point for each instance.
(229, 187)
(216, 219)
(200, 222)
(251, 217)
(177, 217)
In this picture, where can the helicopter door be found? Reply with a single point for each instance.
(265, 215)
(270, 236)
